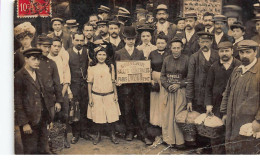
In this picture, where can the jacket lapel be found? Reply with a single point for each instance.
(127, 54)
(29, 78)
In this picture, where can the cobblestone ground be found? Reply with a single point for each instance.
(124, 147)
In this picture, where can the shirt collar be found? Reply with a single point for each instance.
(129, 48)
(226, 62)
(106, 37)
(248, 67)
(76, 50)
(220, 35)
(210, 30)
(57, 33)
(239, 39)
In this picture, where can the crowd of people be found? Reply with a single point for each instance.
(210, 66)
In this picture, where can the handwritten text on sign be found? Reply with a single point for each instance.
(137, 71)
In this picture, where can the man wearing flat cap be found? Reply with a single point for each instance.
(219, 34)
(162, 25)
(114, 38)
(103, 30)
(33, 108)
(103, 12)
(131, 96)
(189, 37)
(57, 26)
(240, 103)
(217, 79)
(199, 64)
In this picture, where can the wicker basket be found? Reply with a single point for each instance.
(56, 136)
(189, 131)
(210, 132)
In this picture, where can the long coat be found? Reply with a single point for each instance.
(241, 104)
(216, 83)
(225, 37)
(28, 98)
(197, 76)
(65, 37)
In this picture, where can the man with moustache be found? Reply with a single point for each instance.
(241, 101)
(189, 37)
(162, 25)
(219, 35)
(78, 63)
(93, 19)
(88, 32)
(199, 64)
(208, 22)
(114, 39)
(103, 31)
(57, 26)
(217, 79)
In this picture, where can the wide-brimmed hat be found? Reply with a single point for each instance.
(71, 23)
(129, 32)
(145, 27)
(238, 24)
(104, 9)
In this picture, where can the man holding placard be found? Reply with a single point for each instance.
(132, 94)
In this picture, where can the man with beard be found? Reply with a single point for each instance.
(241, 101)
(189, 37)
(219, 35)
(78, 63)
(208, 22)
(103, 31)
(57, 25)
(93, 19)
(199, 65)
(217, 79)
(162, 25)
(114, 39)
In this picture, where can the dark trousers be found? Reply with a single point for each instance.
(80, 94)
(134, 106)
(36, 142)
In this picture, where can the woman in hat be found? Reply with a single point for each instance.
(24, 33)
(146, 46)
(103, 106)
(173, 79)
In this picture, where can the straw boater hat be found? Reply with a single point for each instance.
(24, 29)
(104, 9)
(71, 23)
(57, 19)
(122, 12)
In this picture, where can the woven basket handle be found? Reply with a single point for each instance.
(207, 115)
(187, 116)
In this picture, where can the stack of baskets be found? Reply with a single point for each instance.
(56, 136)
(185, 121)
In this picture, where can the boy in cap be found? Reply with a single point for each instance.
(217, 79)
(131, 96)
(219, 35)
(240, 103)
(33, 109)
(57, 26)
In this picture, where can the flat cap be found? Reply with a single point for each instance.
(246, 44)
(225, 44)
(57, 19)
(178, 19)
(237, 24)
(32, 52)
(104, 9)
(102, 22)
(205, 35)
(190, 15)
(175, 39)
(44, 40)
(232, 8)
(114, 22)
(161, 7)
(220, 18)
(71, 23)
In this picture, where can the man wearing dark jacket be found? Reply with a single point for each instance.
(33, 107)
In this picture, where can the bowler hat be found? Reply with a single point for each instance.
(104, 9)
(205, 35)
(57, 19)
(32, 52)
(225, 44)
(246, 44)
(71, 23)
(129, 32)
(44, 40)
